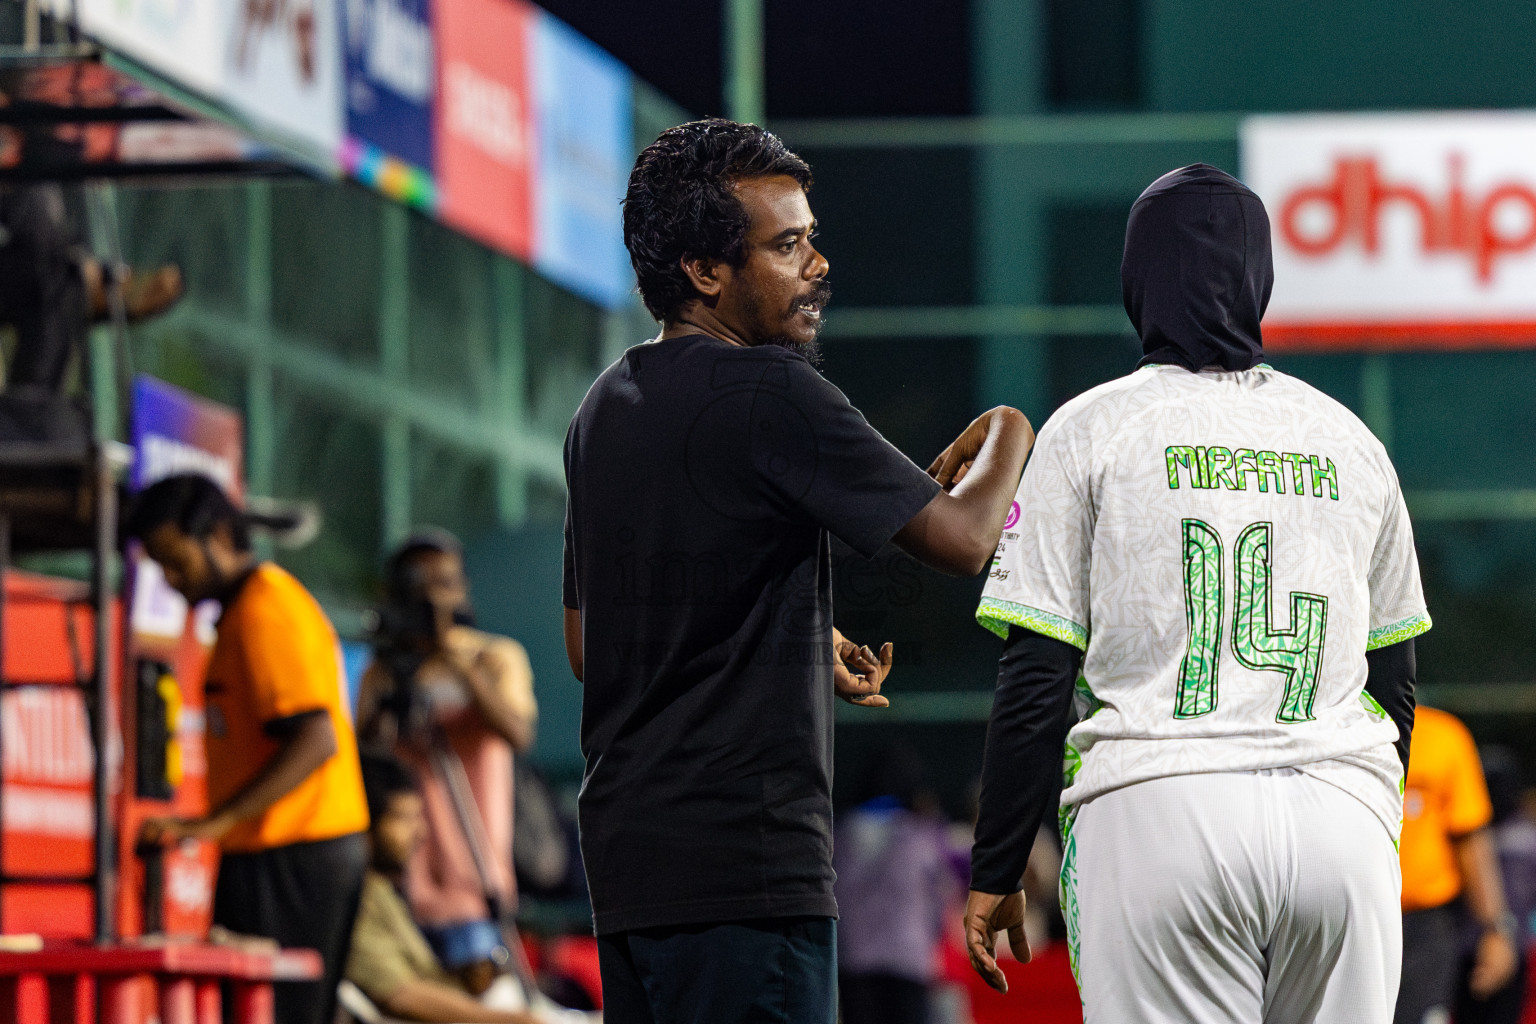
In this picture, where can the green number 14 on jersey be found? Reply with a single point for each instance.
(1296, 653)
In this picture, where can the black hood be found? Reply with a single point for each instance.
(1197, 270)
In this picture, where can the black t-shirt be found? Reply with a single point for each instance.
(704, 479)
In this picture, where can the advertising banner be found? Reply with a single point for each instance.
(1403, 230)
(584, 109)
(492, 115)
(175, 432)
(45, 735)
(180, 39)
(48, 824)
(390, 67)
(484, 131)
(277, 63)
(281, 67)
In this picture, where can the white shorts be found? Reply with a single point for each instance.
(1240, 898)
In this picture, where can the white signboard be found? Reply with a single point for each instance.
(278, 63)
(180, 39)
(1403, 229)
(282, 68)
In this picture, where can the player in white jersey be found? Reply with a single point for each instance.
(1224, 554)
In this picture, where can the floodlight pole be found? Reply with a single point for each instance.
(743, 62)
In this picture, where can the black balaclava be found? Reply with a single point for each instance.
(1197, 270)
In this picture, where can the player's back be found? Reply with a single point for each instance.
(1234, 526)
(1224, 544)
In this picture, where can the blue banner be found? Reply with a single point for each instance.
(390, 76)
(584, 110)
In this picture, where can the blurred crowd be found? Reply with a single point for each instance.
(903, 869)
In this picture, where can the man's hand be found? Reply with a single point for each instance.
(485, 678)
(857, 672)
(173, 830)
(986, 914)
(476, 669)
(958, 530)
(1494, 964)
(955, 461)
(1483, 889)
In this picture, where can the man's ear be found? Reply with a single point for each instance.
(705, 275)
(224, 534)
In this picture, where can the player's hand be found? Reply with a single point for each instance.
(857, 673)
(955, 461)
(173, 830)
(1494, 964)
(986, 914)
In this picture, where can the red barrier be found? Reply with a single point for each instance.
(74, 983)
(1040, 992)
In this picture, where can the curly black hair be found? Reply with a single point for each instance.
(681, 203)
(192, 503)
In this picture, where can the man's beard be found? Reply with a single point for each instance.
(821, 293)
(811, 350)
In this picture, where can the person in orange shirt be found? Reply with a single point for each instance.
(1447, 853)
(285, 791)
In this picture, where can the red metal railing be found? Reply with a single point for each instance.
(76, 983)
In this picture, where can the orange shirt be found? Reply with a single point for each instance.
(1444, 798)
(276, 656)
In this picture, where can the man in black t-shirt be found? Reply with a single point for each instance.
(706, 470)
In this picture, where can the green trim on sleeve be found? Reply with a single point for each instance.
(1396, 633)
(1373, 705)
(997, 615)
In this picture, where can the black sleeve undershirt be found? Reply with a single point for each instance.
(1391, 674)
(1021, 768)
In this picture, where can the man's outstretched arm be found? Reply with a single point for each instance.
(957, 531)
(307, 739)
(1020, 776)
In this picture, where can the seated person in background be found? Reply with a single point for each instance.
(390, 960)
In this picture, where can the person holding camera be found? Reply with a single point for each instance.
(454, 704)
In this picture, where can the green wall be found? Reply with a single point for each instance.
(1344, 55)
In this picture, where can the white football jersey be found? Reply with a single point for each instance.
(1224, 547)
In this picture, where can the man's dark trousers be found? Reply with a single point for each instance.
(1429, 964)
(770, 970)
(302, 895)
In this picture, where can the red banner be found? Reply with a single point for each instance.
(46, 800)
(485, 125)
